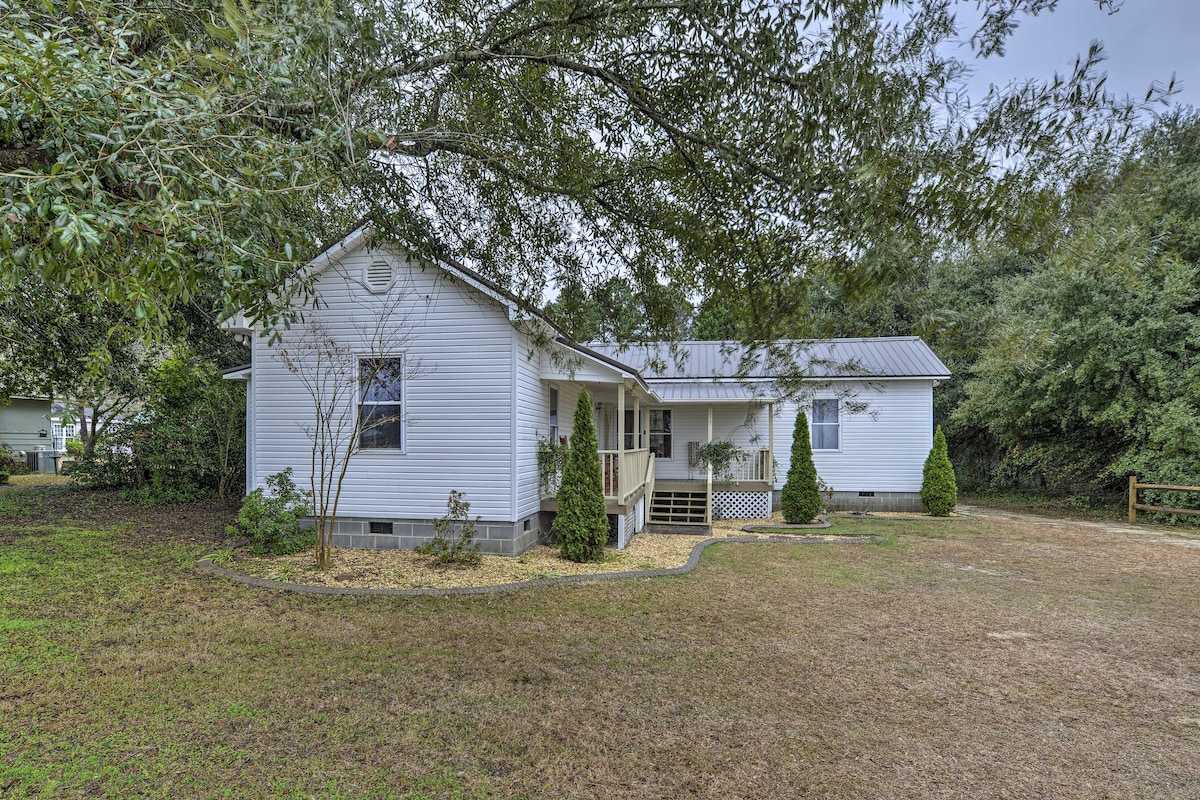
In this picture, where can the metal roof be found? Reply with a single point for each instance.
(878, 357)
(707, 391)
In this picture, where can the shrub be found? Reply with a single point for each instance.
(271, 519)
(939, 492)
(186, 444)
(581, 524)
(3, 477)
(801, 495)
(10, 463)
(455, 540)
(74, 447)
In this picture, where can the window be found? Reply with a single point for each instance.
(382, 406)
(825, 425)
(660, 432)
(553, 415)
(631, 430)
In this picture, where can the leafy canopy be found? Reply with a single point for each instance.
(150, 152)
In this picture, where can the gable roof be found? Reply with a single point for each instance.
(875, 357)
(656, 367)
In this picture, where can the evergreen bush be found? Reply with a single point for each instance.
(271, 519)
(801, 495)
(581, 525)
(454, 542)
(939, 491)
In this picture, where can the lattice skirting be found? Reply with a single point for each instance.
(741, 505)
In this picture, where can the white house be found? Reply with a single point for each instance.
(474, 383)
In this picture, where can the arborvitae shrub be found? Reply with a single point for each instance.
(581, 525)
(801, 496)
(939, 491)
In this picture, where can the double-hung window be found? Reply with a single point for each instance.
(381, 409)
(660, 432)
(553, 421)
(825, 425)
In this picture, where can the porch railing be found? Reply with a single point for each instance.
(622, 473)
(750, 464)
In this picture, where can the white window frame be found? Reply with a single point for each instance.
(403, 404)
(836, 425)
(553, 413)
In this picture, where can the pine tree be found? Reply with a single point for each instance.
(582, 524)
(939, 491)
(801, 497)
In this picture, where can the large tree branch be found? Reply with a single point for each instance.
(627, 87)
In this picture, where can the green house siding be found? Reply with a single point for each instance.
(20, 423)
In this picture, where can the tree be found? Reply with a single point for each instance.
(151, 152)
(1089, 373)
(581, 524)
(800, 498)
(333, 365)
(186, 441)
(939, 492)
(68, 345)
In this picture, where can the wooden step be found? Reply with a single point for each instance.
(678, 508)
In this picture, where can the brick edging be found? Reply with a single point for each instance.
(206, 565)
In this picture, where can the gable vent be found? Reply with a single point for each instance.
(379, 276)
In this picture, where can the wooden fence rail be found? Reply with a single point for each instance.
(1135, 506)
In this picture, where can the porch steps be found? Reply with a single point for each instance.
(678, 507)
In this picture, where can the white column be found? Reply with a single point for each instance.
(771, 444)
(622, 478)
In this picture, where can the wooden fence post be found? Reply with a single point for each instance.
(1133, 499)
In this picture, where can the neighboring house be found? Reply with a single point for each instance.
(66, 425)
(25, 424)
(478, 382)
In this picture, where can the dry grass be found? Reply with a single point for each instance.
(405, 569)
(976, 658)
(35, 480)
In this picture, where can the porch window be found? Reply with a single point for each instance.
(660, 432)
(825, 425)
(382, 406)
(553, 415)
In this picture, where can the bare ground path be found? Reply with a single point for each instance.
(1156, 533)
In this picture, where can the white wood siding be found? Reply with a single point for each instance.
(458, 415)
(251, 430)
(568, 398)
(740, 423)
(881, 450)
(532, 421)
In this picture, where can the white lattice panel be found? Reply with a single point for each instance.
(741, 505)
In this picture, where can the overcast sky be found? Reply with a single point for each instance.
(1146, 40)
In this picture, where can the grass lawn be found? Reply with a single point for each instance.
(972, 658)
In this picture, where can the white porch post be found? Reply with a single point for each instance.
(622, 478)
(771, 444)
(708, 503)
